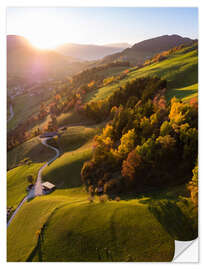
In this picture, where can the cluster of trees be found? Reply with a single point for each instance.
(146, 144)
(129, 95)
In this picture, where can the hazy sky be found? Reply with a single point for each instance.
(48, 27)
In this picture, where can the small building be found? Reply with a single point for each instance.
(49, 134)
(48, 187)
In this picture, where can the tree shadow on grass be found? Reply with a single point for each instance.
(174, 221)
(149, 195)
(37, 251)
(180, 93)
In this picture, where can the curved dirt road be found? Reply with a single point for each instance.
(37, 189)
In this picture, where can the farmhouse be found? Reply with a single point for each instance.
(48, 187)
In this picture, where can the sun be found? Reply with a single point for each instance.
(43, 32)
(41, 42)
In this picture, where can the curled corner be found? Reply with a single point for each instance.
(182, 246)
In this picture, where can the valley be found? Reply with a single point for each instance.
(120, 127)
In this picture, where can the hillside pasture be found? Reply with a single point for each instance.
(25, 106)
(32, 149)
(136, 228)
(64, 172)
(17, 182)
(179, 69)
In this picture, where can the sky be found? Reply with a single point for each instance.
(49, 27)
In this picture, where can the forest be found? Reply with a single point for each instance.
(147, 143)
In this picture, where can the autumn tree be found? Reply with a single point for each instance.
(193, 186)
(127, 143)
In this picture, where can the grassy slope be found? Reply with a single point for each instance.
(25, 106)
(141, 229)
(22, 239)
(121, 227)
(112, 71)
(75, 136)
(76, 147)
(183, 93)
(65, 171)
(69, 118)
(75, 140)
(32, 149)
(17, 183)
(180, 70)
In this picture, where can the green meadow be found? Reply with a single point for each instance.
(17, 182)
(32, 149)
(64, 226)
(180, 70)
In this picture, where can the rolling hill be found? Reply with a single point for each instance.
(180, 69)
(126, 230)
(31, 149)
(143, 50)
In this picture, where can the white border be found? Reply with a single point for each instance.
(67, 3)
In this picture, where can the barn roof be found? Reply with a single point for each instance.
(48, 185)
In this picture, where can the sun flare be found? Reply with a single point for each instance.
(41, 42)
(44, 32)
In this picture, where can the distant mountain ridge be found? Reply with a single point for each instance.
(14, 42)
(143, 50)
(123, 45)
(25, 60)
(90, 52)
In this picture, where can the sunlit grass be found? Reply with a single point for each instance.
(65, 170)
(180, 70)
(25, 106)
(32, 149)
(17, 182)
(75, 230)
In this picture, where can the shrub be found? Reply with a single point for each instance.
(104, 198)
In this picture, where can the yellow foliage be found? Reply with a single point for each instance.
(127, 142)
(91, 84)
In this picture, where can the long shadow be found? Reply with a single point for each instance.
(38, 248)
(149, 195)
(181, 93)
(174, 221)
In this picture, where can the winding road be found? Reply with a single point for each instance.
(37, 189)
(11, 113)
